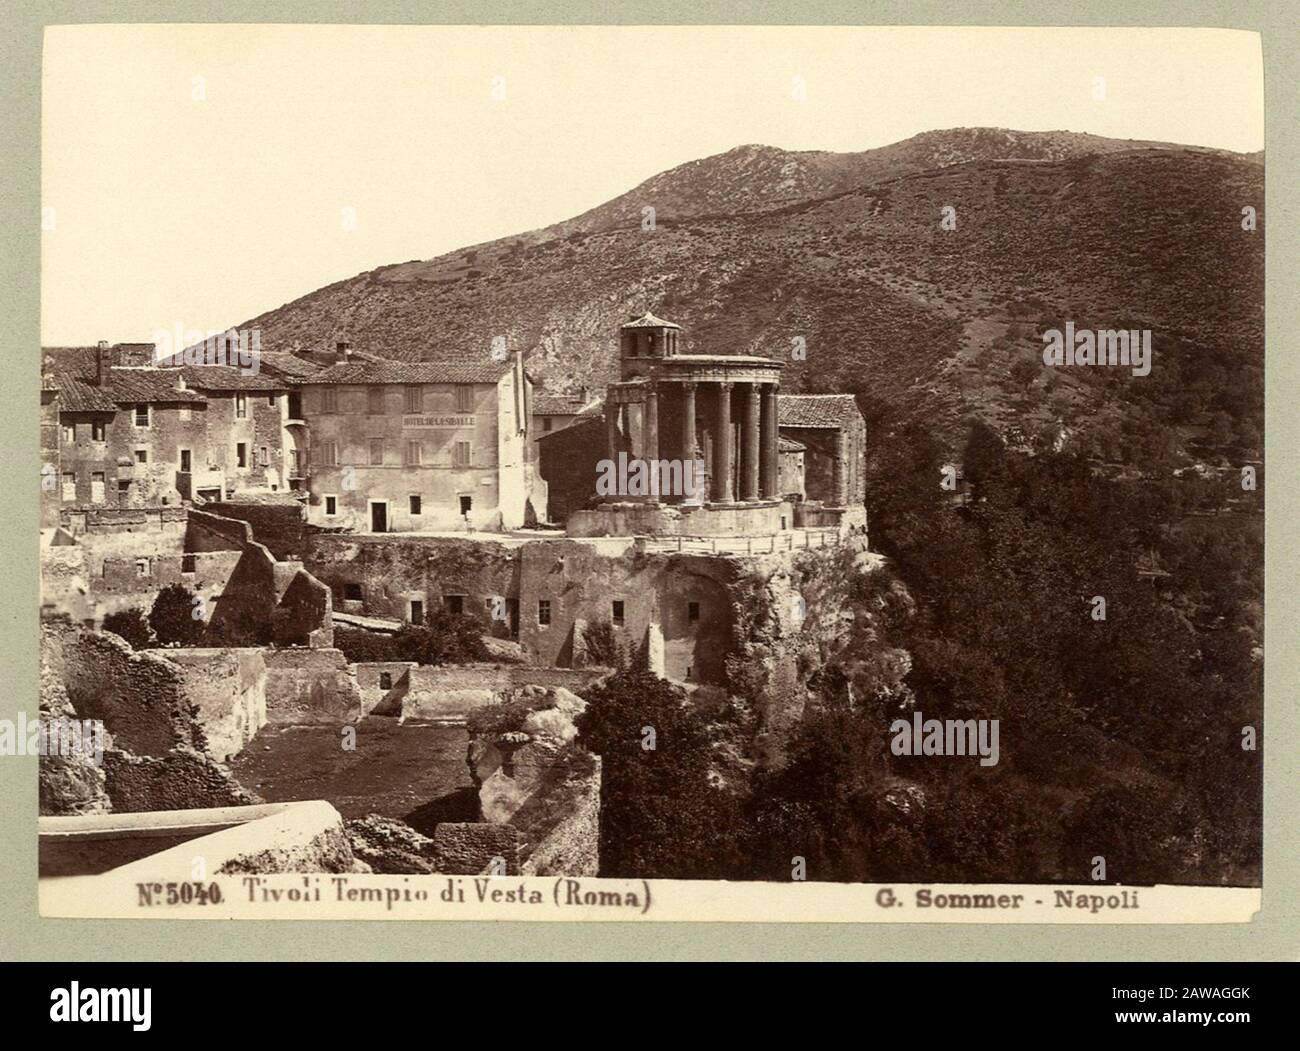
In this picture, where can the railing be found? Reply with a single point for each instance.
(748, 545)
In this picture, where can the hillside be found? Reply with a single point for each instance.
(758, 246)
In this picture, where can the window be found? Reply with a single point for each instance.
(69, 485)
(385, 680)
(185, 460)
(142, 456)
(376, 452)
(415, 399)
(416, 504)
(97, 431)
(329, 400)
(692, 611)
(466, 504)
(142, 415)
(618, 611)
(270, 400)
(295, 405)
(546, 425)
(331, 505)
(241, 454)
(352, 592)
(69, 433)
(241, 406)
(464, 399)
(412, 453)
(375, 401)
(189, 563)
(97, 487)
(462, 454)
(454, 603)
(543, 611)
(264, 456)
(329, 454)
(141, 567)
(417, 611)
(184, 412)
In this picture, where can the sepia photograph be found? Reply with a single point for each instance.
(767, 473)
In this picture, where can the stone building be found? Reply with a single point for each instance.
(127, 433)
(554, 412)
(413, 446)
(834, 436)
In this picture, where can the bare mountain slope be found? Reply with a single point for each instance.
(756, 249)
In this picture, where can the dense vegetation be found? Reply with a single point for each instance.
(444, 638)
(177, 616)
(131, 625)
(1120, 738)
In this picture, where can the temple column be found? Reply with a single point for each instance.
(722, 447)
(771, 449)
(651, 440)
(694, 495)
(841, 479)
(749, 444)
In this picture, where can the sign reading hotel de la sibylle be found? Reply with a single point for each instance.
(437, 423)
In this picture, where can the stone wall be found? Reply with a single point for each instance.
(139, 697)
(468, 848)
(180, 780)
(685, 595)
(651, 519)
(278, 525)
(156, 754)
(391, 571)
(227, 689)
(447, 693)
(306, 686)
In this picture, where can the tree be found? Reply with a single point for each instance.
(661, 815)
(176, 617)
(132, 625)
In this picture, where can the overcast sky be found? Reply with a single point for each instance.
(201, 175)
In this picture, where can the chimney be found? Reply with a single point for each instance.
(101, 363)
(344, 349)
(180, 381)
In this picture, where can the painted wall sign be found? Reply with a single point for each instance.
(437, 422)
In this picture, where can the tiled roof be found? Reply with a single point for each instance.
(648, 320)
(81, 361)
(76, 362)
(285, 364)
(76, 395)
(227, 378)
(363, 372)
(557, 405)
(127, 385)
(816, 410)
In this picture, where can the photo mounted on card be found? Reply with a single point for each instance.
(717, 473)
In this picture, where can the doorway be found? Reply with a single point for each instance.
(379, 516)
